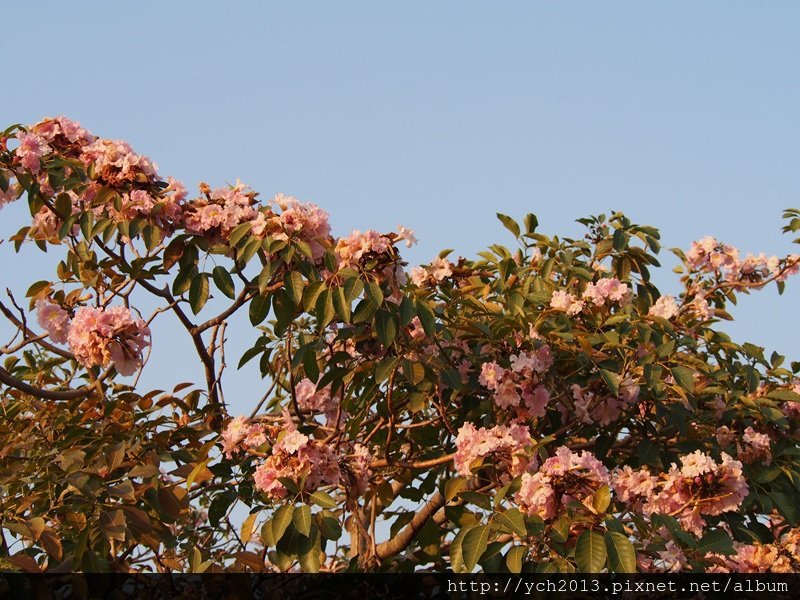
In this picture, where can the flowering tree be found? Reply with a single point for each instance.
(539, 408)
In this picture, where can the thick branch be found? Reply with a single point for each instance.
(399, 542)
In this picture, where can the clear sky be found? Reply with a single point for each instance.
(436, 115)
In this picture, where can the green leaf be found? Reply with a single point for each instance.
(621, 553)
(302, 519)
(612, 381)
(453, 486)
(324, 309)
(341, 304)
(258, 310)
(151, 236)
(513, 521)
(590, 552)
(717, 541)
(198, 292)
(322, 499)
(515, 558)
(328, 525)
(386, 327)
(63, 205)
(601, 499)
(224, 281)
(474, 545)
(374, 294)
(407, 311)
(281, 520)
(294, 284)
(784, 395)
(427, 318)
(238, 233)
(684, 377)
(509, 224)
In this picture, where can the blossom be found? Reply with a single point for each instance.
(53, 319)
(757, 447)
(240, 433)
(352, 249)
(310, 398)
(630, 485)
(441, 268)
(116, 163)
(299, 458)
(419, 276)
(404, 233)
(609, 288)
(491, 375)
(711, 255)
(11, 194)
(566, 302)
(297, 220)
(665, 307)
(505, 443)
(30, 151)
(99, 336)
(220, 211)
(564, 477)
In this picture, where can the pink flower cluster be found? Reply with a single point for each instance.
(53, 319)
(665, 307)
(116, 163)
(711, 256)
(48, 135)
(355, 248)
(594, 407)
(520, 384)
(310, 398)
(563, 478)
(299, 458)
(439, 270)
(100, 336)
(166, 208)
(297, 220)
(782, 556)
(700, 487)
(751, 446)
(608, 289)
(240, 434)
(506, 444)
(219, 211)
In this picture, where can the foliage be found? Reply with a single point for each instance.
(540, 408)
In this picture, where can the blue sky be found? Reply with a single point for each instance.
(437, 115)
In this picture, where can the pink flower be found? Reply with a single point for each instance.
(419, 276)
(709, 255)
(116, 163)
(506, 444)
(220, 212)
(100, 336)
(11, 194)
(441, 268)
(240, 433)
(491, 375)
(566, 302)
(665, 307)
(562, 478)
(53, 319)
(352, 249)
(404, 233)
(315, 400)
(610, 289)
(30, 151)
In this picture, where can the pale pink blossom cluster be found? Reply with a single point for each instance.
(166, 209)
(711, 256)
(594, 407)
(566, 302)
(701, 486)
(116, 163)
(49, 135)
(520, 385)
(671, 559)
(563, 478)
(240, 434)
(755, 447)
(608, 289)
(357, 246)
(506, 444)
(30, 151)
(297, 220)
(404, 233)
(310, 398)
(53, 319)
(299, 458)
(99, 336)
(665, 307)
(219, 211)
(11, 194)
(781, 556)
(439, 269)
